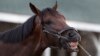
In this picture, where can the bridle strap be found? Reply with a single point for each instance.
(58, 34)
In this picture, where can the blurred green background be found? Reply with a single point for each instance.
(76, 10)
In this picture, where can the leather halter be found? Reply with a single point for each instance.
(58, 34)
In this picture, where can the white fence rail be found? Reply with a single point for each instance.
(16, 18)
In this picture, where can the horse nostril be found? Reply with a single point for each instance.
(71, 34)
(74, 37)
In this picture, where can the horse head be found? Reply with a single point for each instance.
(54, 29)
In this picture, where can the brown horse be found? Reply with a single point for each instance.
(46, 29)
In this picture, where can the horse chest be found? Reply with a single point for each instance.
(15, 50)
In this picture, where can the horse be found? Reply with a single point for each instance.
(47, 28)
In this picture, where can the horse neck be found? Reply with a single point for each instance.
(38, 40)
(38, 44)
(39, 48)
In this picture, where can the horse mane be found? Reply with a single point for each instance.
(19, 33)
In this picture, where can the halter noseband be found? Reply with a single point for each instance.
(58, 34)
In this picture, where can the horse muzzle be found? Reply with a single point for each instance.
(66, 40)
(70, 42)
(70, 46)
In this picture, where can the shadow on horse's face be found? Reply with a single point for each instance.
(57, 32)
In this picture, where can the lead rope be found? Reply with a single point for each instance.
(75, 53)
(84, 50)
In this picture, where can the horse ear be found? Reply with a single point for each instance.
(55, 6)
(34, 9)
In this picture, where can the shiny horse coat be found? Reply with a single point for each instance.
(47, 28)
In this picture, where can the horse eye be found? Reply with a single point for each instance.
(48, 22)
